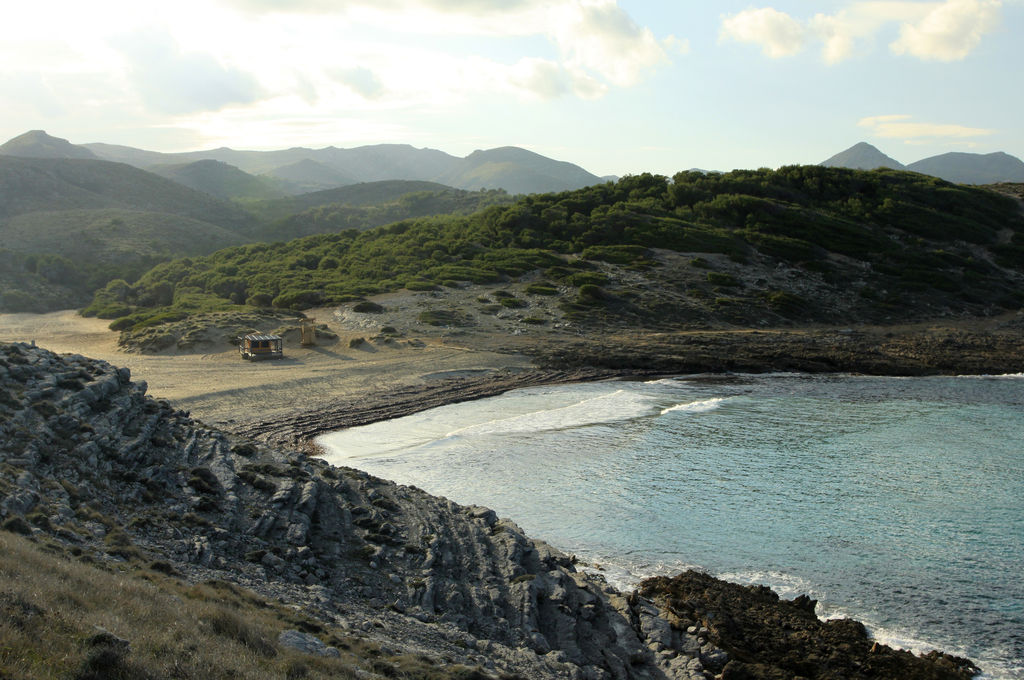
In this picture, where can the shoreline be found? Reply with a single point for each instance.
(302, 426)
(354, 381)
(627, 575)
(356, 391)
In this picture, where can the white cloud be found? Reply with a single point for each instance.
(903, 127)
(595, 37)
(360, 80)
(334, 6)
(947, 30)
(950, 31)
(777, 33)
(600, 38)
(223, 68)
(542, 78)
(171, 81)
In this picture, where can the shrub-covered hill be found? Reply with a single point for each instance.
(51, 184)
(221, 180)
(804, 243)
(62, 257)
(70, 225)
(364, 206)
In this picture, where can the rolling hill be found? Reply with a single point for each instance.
(958, 167)
(510, 168)
(972, 168)
(38, 144)
(517, 171)
(359, 194)
(308, 175)
(367, 205)
(761, 247)
(513, 169)
(862, 156)
(45, 184)
(69, 225)
(114, 236)
(222, 180)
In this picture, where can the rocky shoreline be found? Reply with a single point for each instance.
(92, 465)
(936, 351)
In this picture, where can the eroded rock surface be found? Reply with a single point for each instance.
(87, 457)
(767, 638)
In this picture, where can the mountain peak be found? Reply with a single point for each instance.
(38, 144)
(972, 168)
(862, 156)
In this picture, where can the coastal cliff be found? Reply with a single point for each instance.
(93, 470)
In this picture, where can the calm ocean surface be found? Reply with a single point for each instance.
(897, 501)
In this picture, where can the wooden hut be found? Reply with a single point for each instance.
(260, 346)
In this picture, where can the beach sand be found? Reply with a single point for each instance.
(336, 384)
(218, 387)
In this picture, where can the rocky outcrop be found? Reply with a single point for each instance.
(766, 638)
(87, 458)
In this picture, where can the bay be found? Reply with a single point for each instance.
(897, 501)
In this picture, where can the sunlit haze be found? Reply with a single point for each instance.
(615, 86)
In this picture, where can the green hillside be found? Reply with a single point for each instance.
(363, 206)
(972, 168)
(308, 175)
(47, 184)
(62, 257)
(94, 221)
(518, 171)
(804, 243)
(361, 194)
(114, 236)
(221, 180)
(38, 144)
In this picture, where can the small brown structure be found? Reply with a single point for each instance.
(259, 346)
(308, 329)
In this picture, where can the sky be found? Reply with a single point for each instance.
(616, 86)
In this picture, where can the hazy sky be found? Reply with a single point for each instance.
(617, 87)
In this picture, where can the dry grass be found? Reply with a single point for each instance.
(53, 606)
(54, 609)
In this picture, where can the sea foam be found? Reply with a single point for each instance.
(608, 408)
(702, 406)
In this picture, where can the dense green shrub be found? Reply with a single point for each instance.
(541, 288)
(901, 224)
(722, 279)
(420, 285)
(592, 278)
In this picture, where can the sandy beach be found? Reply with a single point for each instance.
(220, 388)
(338, 383)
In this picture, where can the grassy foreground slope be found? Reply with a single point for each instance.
(804, 243)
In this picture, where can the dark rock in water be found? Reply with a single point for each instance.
(768, 638)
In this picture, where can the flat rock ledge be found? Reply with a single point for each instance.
(416, 573)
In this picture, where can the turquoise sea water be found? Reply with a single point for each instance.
(897, 501)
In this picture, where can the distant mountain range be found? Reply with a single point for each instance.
(958, 167)
(299, 170)
(70, 221)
